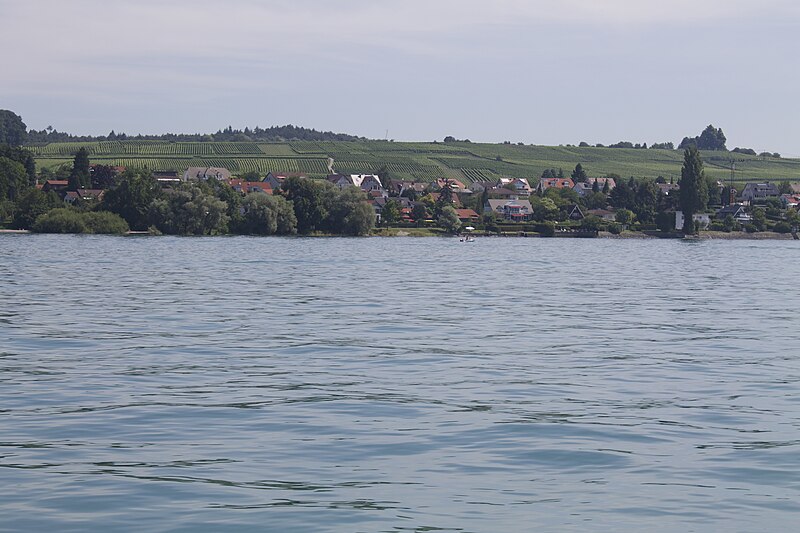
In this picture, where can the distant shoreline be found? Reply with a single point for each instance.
(628, 235)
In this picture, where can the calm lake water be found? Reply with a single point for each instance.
(268, 384)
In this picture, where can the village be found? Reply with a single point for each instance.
(553, 204)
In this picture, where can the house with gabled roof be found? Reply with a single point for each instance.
(467, 215)
(366, 182)
(247, 187)
(587, 187)
(573, 212)
(455, 201)
(518, 185)
(759, 191)
(790, 200)
(480, 186)
(513, 210)
(275, 181)
(737, 211)
(602, 214)
(400, 187)
(205, 173)
(55, 185)
(83, 195)
(558, 183)
(455, 185)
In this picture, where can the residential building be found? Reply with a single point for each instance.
(737, 211)
(603, 214)
(513, 210)
(365, 182)
(668, 188)
(558, 183)
(759, 191)
(204, 173)
(247, 187)
(573, 212)
(587, 187)
(518, 185)
(467, 215)
(455, 185)
(703, 219)
(85, 195)
(55, 185)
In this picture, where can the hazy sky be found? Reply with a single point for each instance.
(538, 71)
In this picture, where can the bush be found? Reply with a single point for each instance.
(614, 229)
(105, 222)
(591, 223)
(546, 229)
(718, 226)
(782, 227)
(61, 220)
(67, 220)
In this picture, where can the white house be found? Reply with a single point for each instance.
(518, 185)
(586, 187)
(703, 219)
(515, 210)
(366, 182)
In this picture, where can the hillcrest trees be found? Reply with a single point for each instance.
(711, 139)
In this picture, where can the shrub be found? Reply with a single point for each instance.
(782, 227)
(68, 220)
(61, 220)
(546, 229)
(614, 229)
(105, 222)
(718, 226)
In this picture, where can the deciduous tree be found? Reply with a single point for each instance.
(131, 198)
(267, 215)
(448, 219)
(13, 179)
(13, 131)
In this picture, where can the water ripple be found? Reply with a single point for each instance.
(243, 384)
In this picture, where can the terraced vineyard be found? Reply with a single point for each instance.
(411, 161)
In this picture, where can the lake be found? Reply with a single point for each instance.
(398, 384)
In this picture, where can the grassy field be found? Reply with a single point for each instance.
(418, 161)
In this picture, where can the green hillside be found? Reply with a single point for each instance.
(419, 161)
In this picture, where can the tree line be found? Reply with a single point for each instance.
(137, 201)
(14, 132)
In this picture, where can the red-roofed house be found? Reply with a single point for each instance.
(247, 187)
(558, 183)
(85, 195)
(467, 215)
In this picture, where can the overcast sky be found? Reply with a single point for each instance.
(537, 71)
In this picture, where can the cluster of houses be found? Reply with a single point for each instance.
(506, 198)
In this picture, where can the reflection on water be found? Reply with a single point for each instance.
(397, 384)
